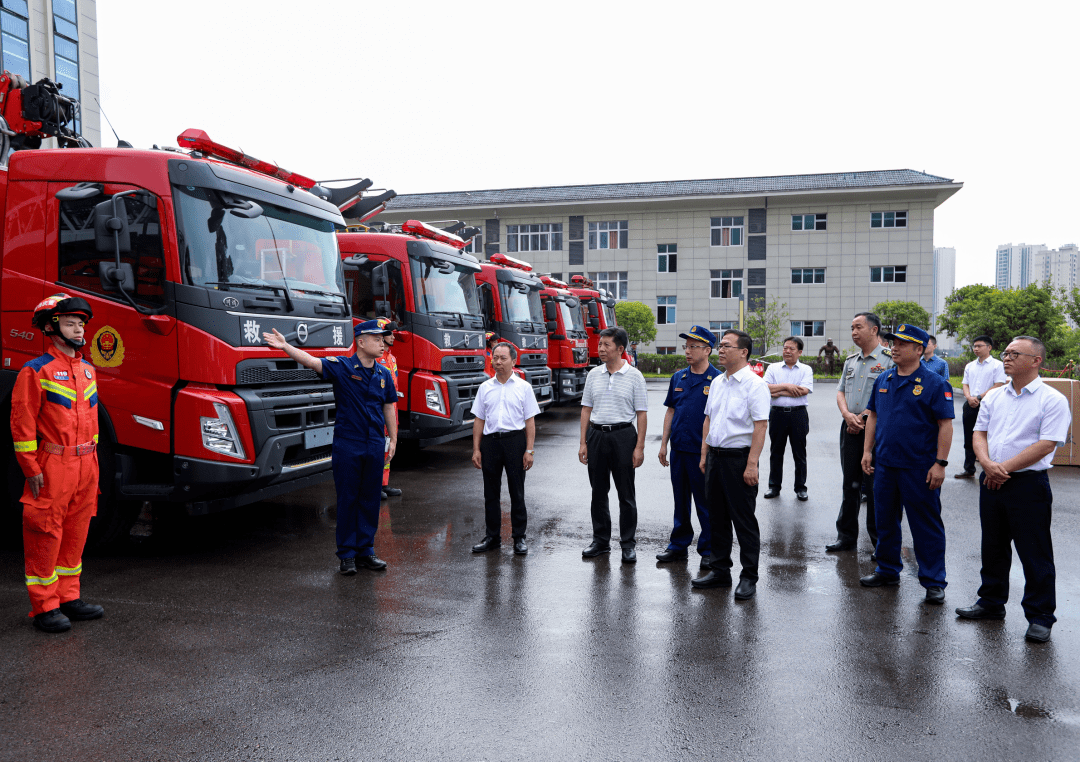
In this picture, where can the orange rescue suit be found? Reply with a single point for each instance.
(389, 362)
(54, 422)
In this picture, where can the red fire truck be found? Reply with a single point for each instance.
(187, 257)
(420, 279)
(510, 300)
(599, 311)
(568, 345)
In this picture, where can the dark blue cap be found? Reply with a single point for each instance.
(907, 332)
(377, 327)
(698, 333)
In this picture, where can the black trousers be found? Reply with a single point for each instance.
(847, 523)
(1018, 513)
(611, 457)
(498, 454)
(788, 423)
(731, 503)
(971, 414)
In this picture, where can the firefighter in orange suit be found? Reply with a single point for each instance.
(54, 423)
(389, 362)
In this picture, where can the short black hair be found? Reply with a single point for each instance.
(931, 337)
(508, 345)
(984, 339)
(796, 339)
(618, 335)
(871, 318)
(744, 340)
(1036, 344)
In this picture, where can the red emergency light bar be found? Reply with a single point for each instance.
(198, 140)
(547, 280)
(422, 229)
(581, 280)
(505, 261)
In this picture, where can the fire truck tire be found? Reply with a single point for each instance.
(115, 517)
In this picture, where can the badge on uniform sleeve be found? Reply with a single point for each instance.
(332, 359)
(917, 390)
(948, 395)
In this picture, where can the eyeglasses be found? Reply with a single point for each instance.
(1012, 355)
(695, 346)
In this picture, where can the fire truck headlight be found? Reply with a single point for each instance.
(220, 434)
(435, 400)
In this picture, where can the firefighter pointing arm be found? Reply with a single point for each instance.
(54, 424)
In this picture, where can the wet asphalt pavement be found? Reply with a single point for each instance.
(233, 636)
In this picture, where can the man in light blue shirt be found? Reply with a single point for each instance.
(933, 362)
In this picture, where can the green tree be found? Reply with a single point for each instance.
(767, 323)
(950, 321)
(897, 313)
(1070, 302)
(1001, 315)
(637, 320)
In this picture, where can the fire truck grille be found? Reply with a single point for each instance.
(252, 372)
(463, 363)
(268, 393)
(297, 456)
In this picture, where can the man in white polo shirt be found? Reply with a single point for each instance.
(614, 397)
(980, 376)
(733, 436)
(790, 383)
(503, 436)
(1018, 429)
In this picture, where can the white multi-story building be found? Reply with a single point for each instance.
(1013, 264)
(1055, 266)
(944, 284)
(55, 39)
(826, 246)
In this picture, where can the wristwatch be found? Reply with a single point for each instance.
(530, 452)
(941, 462)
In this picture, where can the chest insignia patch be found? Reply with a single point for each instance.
(357, 378)
(877, 368)
(882, 390)
(918, 380)
(917, 390)
(88, 374)
(60, 375)
(706, 389)
(382, 383)
(678, 388)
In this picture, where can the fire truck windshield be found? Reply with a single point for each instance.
(521, 306)
(571, 318)
(443, 287)
(609, 315)
(276, 248)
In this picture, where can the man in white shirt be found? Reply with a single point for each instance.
(503, 436)
(790, 384)
(733, 436)
(980, 376)
(1018, 429)
(614, 397)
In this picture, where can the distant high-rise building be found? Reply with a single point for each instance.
(1013, 268)
(944, 283)
(1056, 266)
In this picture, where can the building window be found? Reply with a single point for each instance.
(808, 221)
(66, 45)
(667, 261)
(807, 327)
(15, 37)
(542, 237)
(665, 350)
(888, 219)
(614, 282)
(475, 246)
(725, 284)
(609, 235)
(665, 310)
(726, 231)
(556, 276)
(889, 274)
(806, 275)
(721, 325)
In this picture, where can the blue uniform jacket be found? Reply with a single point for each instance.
(908, 409)
(939, 366)
(687, 394)
(360, 394)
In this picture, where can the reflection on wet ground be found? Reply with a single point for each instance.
(233, 637)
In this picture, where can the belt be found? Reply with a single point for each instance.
(729, 452)
(502, 434)
(610, 426)
(789, 408)
(84, 449)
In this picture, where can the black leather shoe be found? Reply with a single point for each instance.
(1037, 633)
(773, 492)
(964, 475)
(595, 549)
(520, 548)
(935, 595)
(713, 579)
(671, 555)
(979, 612)
(348, 566)
(370, 562)
(52, 621)
(839, 545)
(629, 556)
(877, 580)
(391, 491)
(488, 543)
(80, 611)
(745, 590)
(801, 494)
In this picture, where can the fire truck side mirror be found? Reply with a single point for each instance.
(111, 232)
(380, 281)
(80, 192)
(594, 322)
(549, 312)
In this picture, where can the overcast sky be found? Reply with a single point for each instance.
(441, 96)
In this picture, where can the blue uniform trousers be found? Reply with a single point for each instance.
(358, 468)
(687, 480)
(1018, 513)
(897, 489)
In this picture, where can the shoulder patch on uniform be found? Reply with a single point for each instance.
(852, 356)
(332, 359)
(886, 351)
(39, 362)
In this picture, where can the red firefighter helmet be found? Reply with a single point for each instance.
(48, 312)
